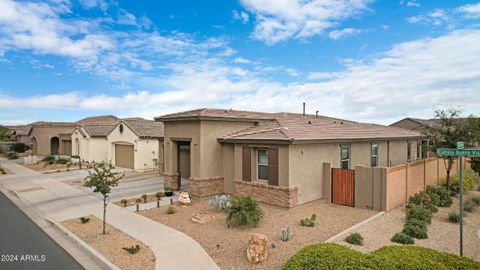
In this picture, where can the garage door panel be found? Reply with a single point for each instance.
(124, 156)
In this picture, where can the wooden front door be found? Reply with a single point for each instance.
(343, 187)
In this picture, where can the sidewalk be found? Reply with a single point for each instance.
(60, 201)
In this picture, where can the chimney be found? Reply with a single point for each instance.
(303, 108)
(316, 114)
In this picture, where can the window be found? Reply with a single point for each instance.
(345, 157)
(374, 155)
(419, 150)
(409, 151)
(262, 164)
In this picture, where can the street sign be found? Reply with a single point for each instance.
(451, 152)
(460, 145)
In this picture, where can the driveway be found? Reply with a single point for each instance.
(21, 237)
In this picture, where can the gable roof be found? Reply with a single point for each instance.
(216, 114)
(144, 128)
(291, 128)
(98, 130)
(102, 119)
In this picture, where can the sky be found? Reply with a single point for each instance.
(362, 60)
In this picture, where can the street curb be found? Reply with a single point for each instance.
(103, 262)
(365, 221)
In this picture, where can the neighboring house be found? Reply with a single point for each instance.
(20, 134)
(276, 157)
(134, 143)
(54, 138)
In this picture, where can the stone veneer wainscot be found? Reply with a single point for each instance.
(280, 196)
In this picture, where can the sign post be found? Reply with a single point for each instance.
(459, 152)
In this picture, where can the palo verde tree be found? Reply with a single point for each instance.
(446, 131)
(102, 179)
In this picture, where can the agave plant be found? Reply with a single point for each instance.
(220, 202)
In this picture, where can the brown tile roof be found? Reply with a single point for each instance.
(144, 128)
(216, 114)
(102, 119)
(98, 130)
(289, 127)
(54, 124)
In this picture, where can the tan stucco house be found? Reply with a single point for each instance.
(133, 143)
(278, 158)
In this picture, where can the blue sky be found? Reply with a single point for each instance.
(373, 61)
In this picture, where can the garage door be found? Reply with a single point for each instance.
(124, 156)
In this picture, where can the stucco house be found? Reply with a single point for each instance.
(278, 158)
(20, 134)
(134, 143)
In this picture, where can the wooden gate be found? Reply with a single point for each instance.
(343, 187)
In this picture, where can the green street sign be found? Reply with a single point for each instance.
(460, 145)
(450, 152)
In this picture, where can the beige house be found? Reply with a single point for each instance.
(133, 143)
(20, 134)
(278, 158)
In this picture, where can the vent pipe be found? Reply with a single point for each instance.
(316, 114)
(303, 108)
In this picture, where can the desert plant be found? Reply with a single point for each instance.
(12, 155)
(244, 211)
(309, 222)
(403, 239)
(2, 170)
(440, 196)
(454, 217)
(469, 206)
(168, 191)
(102, 179)
(84, 220)
(475, 200)
(171, 210)
(48, 158)
(124, 202)
(424, 200)
(61, 161)
(19, 147)
(470, 180)
(286, 234)
(416, 228)
(160, 195)
(132, 249)
(220, 202)
(144, 197)
(418, 212)
(354, 239)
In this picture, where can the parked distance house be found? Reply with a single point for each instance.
(134, 143)
(278, 158)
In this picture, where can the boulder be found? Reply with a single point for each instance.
(257, 251)
(202, 218)
(184, 198)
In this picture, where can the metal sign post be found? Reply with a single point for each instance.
(459, 152)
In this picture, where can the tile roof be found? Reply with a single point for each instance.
(145, 128)
(98, 130)
(216, 114)
(102, 119)
(290, 127)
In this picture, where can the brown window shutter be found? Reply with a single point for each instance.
(247, 164)
(273, 166)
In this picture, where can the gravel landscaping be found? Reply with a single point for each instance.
(442, 235)
(228, 246)
(45, 167)
(111, 244)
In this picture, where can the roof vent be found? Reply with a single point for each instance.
(310, 122)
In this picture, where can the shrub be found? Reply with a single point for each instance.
(84, 220)
(328, 256)
(309, 222)
(423, 199)
(61, 161)
(354, 239)
(220, 202)
(470, 180)
(469, 206)
(403, 239)
(416, 228)
(418, 212)
(168, 189)
(454, 217)
(440, 196)
(244, 211)
(132, 249)
(475, 164)
(413, 257)
(48, 158)
(160, 195)
(2, 170)
(171, 210)
(19, 147)
(12, 155)
(144, 197)
(138, 200)
(124, 202)
(475, 200)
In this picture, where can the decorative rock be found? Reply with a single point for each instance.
(184, 198)
(257, 251)
(202, 218)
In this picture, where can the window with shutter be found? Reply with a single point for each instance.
(273, 166)
(246, 164)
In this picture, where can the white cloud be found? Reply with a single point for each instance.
(344, 33)
(322, 75)
(241, 60)
(126, 18)
(470, 10)
(241, 16)
(90, 4)
(278, 21)
(292, 72)
(413, 4)
(436, 17)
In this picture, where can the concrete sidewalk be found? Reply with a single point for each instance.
(60, 201)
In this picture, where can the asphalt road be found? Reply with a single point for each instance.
(23, 245)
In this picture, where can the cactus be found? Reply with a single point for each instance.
(314, 217)
(309, 222)
(220, 202)
(286, 234)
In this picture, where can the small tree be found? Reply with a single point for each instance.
(446, 132)
(102, 179)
